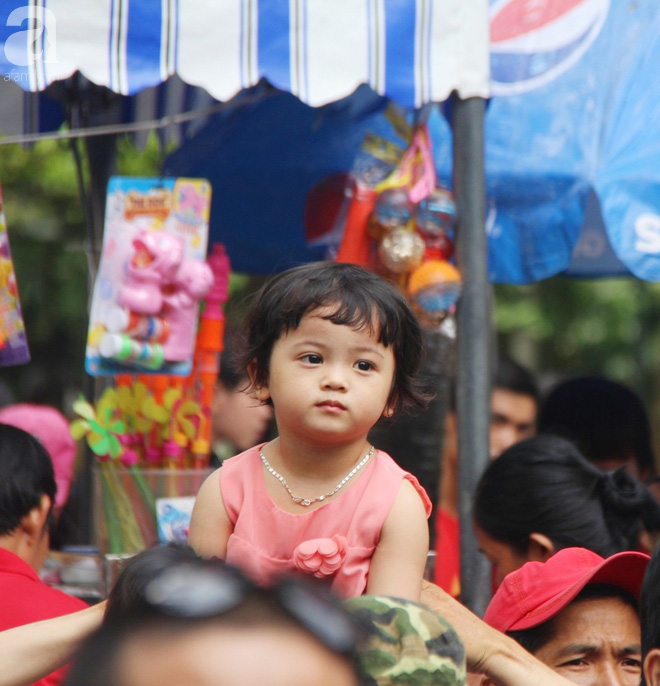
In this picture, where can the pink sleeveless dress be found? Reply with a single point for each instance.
(334, 542)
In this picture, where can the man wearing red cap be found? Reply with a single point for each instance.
(650, 611)
(577, 613)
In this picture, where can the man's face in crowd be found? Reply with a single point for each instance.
(596, 643)
(512, 418)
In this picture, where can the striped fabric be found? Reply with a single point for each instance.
(413, 51)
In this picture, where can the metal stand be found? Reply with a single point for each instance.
(474, 334)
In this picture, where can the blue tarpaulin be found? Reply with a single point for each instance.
(572, 128)
(572, 149)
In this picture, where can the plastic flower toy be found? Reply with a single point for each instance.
(100, 426)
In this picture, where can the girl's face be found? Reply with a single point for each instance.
(328, 382)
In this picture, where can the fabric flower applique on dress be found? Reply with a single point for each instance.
(321, 557)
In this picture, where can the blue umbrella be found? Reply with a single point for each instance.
(278, 171)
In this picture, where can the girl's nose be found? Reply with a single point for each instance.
(334, 377)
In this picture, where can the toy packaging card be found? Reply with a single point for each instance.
(173, 515)
(13, 343)
(152, 276)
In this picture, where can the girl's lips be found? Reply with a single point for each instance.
(331, 405)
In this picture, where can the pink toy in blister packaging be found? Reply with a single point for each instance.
(142, 326)
(181, 299)
(151, 277)
(156, 259)
(181, 285)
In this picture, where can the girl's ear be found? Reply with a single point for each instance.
(261, 392)
(540, 548)
(391, 405)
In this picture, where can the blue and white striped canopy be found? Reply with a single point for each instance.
(572, 140)
(412, 51)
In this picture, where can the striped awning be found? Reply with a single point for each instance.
(412, 51)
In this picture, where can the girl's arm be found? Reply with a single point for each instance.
(210, 526)
(32, 651)
(397, 566)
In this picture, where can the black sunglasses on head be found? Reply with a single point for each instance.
(212, 588)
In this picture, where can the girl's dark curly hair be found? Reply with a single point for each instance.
(356, 298)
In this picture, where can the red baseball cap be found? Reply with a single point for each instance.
(539, 590)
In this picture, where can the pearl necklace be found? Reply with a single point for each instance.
(304, 501)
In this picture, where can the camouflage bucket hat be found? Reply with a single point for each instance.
(406, 643)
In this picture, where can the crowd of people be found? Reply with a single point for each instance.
(307, 552)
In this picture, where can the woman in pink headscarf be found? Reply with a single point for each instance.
(51, 427)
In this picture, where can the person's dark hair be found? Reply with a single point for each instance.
(26, 474)
(231, 374)
(604, 418)
(534, 638)
(511, 376)
(186, 592)
(138, 571)
(544, 485)
(650, 606)
(356, 298)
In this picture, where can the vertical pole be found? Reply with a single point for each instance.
(101, 157)
(473, 337)
(92, 106)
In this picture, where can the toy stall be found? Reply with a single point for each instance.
(569, 183)
(164, 251)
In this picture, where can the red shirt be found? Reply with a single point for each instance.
(448, 553)
(25, 598)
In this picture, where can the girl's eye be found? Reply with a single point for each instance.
(312, 358)
(364, 366)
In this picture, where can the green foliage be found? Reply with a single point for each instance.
(46, 225)
(145, 161)
(563, 327)
(48, 238)
(575, 324)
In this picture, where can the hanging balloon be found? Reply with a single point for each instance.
(401, 250)
(393, 208)
(436, 213)
(439, 247)
(434, 286)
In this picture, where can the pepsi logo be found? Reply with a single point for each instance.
(647, 233)
(532, 42)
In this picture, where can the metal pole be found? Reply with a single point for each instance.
(473, 337)
(92, 105)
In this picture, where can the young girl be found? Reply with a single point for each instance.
(333, 348)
